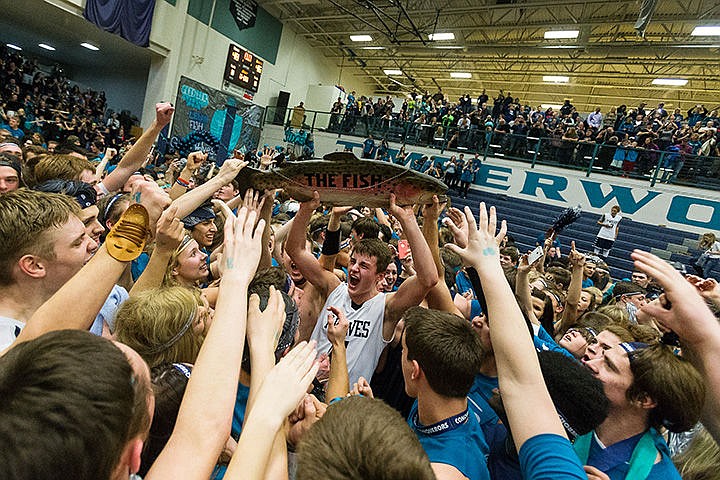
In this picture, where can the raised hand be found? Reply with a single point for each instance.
(337, 327)
(362, 387)
(195, 160)
(243, 246)
(709, 288)
(286, 384)
(458, 226)
(403, 214)
(163, 113)
(432, 211)
(230, 169)
(153, 198)
(253, 202)
(266, 158)
(482, 248)
(305, 415)
(170, 231)
(265, 327)
(311, 204)
(681, 308)
(577, 259)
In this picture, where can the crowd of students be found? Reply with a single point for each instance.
(629, 140)
(41, 107)
(196, 331)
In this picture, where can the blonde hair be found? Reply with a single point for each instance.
(701, 460)
(170, 279)
(157, 323)
(618, 314)
(64, 167)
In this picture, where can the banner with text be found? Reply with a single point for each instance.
(213, 121)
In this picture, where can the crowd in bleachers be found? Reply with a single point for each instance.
(626, 140)
(41, 106)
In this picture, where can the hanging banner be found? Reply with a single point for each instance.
(213, 121)
(244, 12)
(131, 19)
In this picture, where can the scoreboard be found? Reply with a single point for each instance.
(243, 68)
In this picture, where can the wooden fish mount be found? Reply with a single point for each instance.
(343, 179)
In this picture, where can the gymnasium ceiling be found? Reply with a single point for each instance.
(501, 44)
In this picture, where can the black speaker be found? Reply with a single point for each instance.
(281, 107)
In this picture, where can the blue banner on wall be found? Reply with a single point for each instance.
(131, 19)
(213, 121)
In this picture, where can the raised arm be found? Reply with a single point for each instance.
(438, 297)
(263, 332)
(136, 156)
(522, 289)
(308, 265)
(281, 392)
(683, 310)
(181, 183)
(205, 416)
(413, 290)
(527, 402)
(198, 195)
(570, 313)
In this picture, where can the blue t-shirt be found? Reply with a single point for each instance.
(462, 447)
(482, 388)
(614, 460)
(463, 283)
(544, 342)
(549, 456)
(588, 283)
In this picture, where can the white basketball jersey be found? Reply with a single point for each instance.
(364, 340)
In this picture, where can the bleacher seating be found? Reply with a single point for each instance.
(527, 219)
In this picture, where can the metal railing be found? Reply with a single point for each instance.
(655, 166)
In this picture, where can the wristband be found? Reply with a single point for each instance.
(331, 245)
(182, 182)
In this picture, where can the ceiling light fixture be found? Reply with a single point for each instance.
(460, 75)
(562, 33)
(13, 46)
(89, 46)
(442, 36)
(555, 79)
(46, 46)
(393, 72)
(706, 31)
(361, 38)
(675, 82)
(449, 47)
(372, 48)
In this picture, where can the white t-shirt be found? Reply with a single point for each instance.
(364, 340)
(607, 231)
(9, 330)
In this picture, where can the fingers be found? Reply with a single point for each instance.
(254, 304)
(572, 246)
(492, 221)
(470, 219)
(501, 234)
(224, 207)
